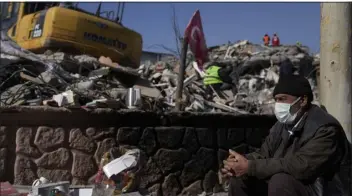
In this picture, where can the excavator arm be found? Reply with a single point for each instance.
(39, 26)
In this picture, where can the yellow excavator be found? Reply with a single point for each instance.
(58, 26)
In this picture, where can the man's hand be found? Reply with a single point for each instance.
(226, 171)
(236, 163)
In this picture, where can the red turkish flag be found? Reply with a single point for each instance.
(195, 37)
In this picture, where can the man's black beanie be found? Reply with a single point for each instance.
(293, 85)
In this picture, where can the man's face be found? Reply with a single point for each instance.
(289, 99)
(284, 98)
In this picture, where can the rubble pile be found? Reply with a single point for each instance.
(256, 70)
(62, 80)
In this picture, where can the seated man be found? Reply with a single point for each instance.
(303, 151)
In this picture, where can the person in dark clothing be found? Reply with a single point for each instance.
(286, 67)
(302, 153)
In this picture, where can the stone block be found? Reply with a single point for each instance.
(54, 160)
(83, 166)
(128, 135)
(25, 171)
(193, 189)
(209, 182)
(148, 141)
(242, 148)
(78, 141)
(255, 136)
(206, 137)
(55, 175)
(151, 173)
(169, 137)
(170, 160)
(103, 147)
(24, 140)
(228, 138)
(190, 141)
(171, 186)
(155, 190)
(78, 181)
(196, 168)
(191, 172)
(48, 138)
(100, 133)
(235, 136)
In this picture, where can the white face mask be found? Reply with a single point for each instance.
(283, 114)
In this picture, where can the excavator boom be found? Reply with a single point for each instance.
(41, 26)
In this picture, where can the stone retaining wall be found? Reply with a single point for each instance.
(182, 151)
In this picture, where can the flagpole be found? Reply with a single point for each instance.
(193, 36)
(181, 74)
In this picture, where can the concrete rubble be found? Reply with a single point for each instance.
(62, 80)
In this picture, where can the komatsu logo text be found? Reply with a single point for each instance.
(103, 40)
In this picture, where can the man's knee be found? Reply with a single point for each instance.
(280, 179)
(246, 186)
(236, 187)
(285, 184)
(235, 183)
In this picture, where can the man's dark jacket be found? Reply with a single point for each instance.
(315, 152)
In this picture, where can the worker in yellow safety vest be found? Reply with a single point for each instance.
(298, 44)
(212, 75)
(216, 77)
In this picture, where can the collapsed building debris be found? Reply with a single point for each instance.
(59, 79)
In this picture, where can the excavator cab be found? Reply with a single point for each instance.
(62, 26)
(13, 11)
(9, 11)
(9, 15)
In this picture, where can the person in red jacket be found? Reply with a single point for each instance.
(275, 41)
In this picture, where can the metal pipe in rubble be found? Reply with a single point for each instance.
(181, 75)
(335, 61)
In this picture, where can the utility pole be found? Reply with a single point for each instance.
(335, 68)
(335, 61)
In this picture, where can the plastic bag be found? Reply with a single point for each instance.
(125, 180)
(116, 175)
